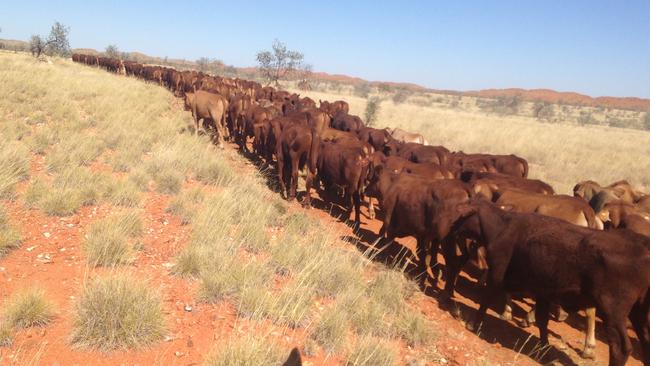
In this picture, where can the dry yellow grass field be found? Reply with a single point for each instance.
(561, 154)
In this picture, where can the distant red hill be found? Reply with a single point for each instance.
(533, 95)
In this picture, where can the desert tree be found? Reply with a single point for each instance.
(37, 45)
(372, 109)
(279, 63)
(112, 51)
(57, 41)
(202, 64)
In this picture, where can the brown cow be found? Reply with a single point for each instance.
(375, 137)
(505, 164)
(294, 358)
(562, 263)
(417, 153)
(297, 146)
(490, 185)
(205, 105)
(598, 196)
(345, 122)
(419, 207)
(570, 209)
(344, 164)
(620, 214)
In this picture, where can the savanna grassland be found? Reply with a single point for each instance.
(564, 144)
(125, 238)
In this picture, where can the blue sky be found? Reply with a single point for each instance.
(592, 47)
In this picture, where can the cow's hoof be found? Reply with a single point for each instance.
(588, 353)
(471, 327)
(524, 323)
(562, 316)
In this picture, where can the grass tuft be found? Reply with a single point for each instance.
(117, 311)
(371, 351)
(9, 237)
(110, 240)
(6, 334)
(249, 350)
(27, 308)
(331, 329)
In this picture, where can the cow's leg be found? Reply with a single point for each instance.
(371, 208)
(590, 334)
(281, 167)
(308, 183)
(620, 346)
(507, 310)
(356, 198)
(422, 249)
(432, 261)
(542, 307)
(295, 160)
(453, 264)
(640, 319)
(487, 296)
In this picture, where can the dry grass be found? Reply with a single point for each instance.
(110, 241)
(247, 351)
(9, 237)
(27, 308)
(117, 311)
(14, 167)
(371, 351)
(561, 154)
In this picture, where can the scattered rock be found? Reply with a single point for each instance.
(44, 258)
(169, 338)
(188, 308)
(70, 225)
(62, 250)
(179, 354)
(190, 343)
(31, 248)
(443, 361)
(168, 265)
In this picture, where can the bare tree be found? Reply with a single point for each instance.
(37, 45)
(112, 51)
(279, 63)
(203, 63)
(57, 42)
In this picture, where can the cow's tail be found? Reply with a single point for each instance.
(314, 150)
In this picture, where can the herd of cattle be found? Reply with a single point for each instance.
(587, 251)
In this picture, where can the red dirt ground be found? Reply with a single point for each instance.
(194, 334)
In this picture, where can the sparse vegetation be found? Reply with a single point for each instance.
(9, 236)
(247, 351)
(117, 311)
(372, 110)
(110, 240)
(279, 63)
(371, 351)
(27, 308)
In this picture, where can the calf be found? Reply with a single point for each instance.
(296, 147)
(566, 264)
(419, 207)
(345, 164)
(205, 105)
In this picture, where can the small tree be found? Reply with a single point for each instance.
(279, 63)
(203, 63)
(57, 42)
(37, 46)
(372, 109)
(112, 51)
